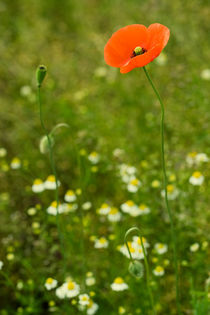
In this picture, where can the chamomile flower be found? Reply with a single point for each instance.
(68, 289)
(38, 186)
(172, 192)
(70, 196)
(104, 209)
(15, 163)
(196, 179)
(159, 271)
(90, 280)
(127, 172)
(191, 158)
(94, 157)
(84, 299)
(133, 185)
(201, 158)
(1, 264)
(68, 208)
(92, 308)
(114, 215)
(52, 209)
(101, 243)
(128, 206)
(143, 209)
(155, 183)
(119, 284)
(86, 205)
(50, 283)
(50, 183)
(161, 248)
(194, 247)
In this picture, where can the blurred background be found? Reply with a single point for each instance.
(105, 111)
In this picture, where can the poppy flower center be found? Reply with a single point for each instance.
(138, 51)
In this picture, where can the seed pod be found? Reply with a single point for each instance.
(44, 144)
(40, 74)
(136, 269)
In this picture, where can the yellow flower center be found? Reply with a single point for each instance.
(70, 193)
(134, 182)
(102, 240)
(51, 178)
(104, 205)
(118, 280)
(138, 50)
(197, 174)
(160, 245)
(130, 203)
(192, 154)
(170, 188)
(49, 281)
(113, 211)
(71, 285)
(38, 181)
(159, 269)
(54, 204)
(142, 207)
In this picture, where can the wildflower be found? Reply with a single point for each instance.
(121, 310)
(67, 208)
(128, 206)
(119, 284)
(92, 308)
(104, 209)
(101, 243)
(31, 211)
(50, 183)
(38, 186)
(172, 192)
(86, 205)
(70, 196)
(159, 271)
(127, 172)
(191, 158)
(94, 157)
(201, 157)
(84, 299)
(68, 289)
(194, 247)
(155, 183)
(90, 280)
(161, 248)
(15, 163)
(133, 185)
(50, 283)
(196, 179)
(52, 209)
(114, 215)
(3, 152)
(143, 209)
(205, 74)
(135, 46)
(1, 264)
(117, 153)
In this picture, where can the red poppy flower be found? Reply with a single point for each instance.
(135, 46)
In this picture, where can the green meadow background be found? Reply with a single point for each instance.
(105, 110)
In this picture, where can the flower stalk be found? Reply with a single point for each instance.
(165, 183)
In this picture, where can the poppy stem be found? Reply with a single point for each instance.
(52, 163)
(165, 182)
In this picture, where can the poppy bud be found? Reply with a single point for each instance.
(136, 269)
(44, 144)
(40, 74)
(138, 50)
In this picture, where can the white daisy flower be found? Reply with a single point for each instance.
(136, 240)
(50, 183)
(50, 283)
(15, 163)
(104, 209)
(94, 157)
(196, 179)
(101, 243)
(140, 210)
(114, 215)
(1, 264)
(172, 192)
(205, 74)
(3, 152)
(84, 299)
(70, 196)
(201, 157)
(191, 158)
(194, 247)
(52, 209)
(133, 185)
(159, 271)
(127, 172)
(38, 186)
(86, 205)
(119, 284)
(90, 280)
(61, 292)
(128, 206)
(161, 248)
(92, 308)
(68, 289)
(68, 208)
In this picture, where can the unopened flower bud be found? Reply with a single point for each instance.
(44, 144)
(40, 74)
(136, 269)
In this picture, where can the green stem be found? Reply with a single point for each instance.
(173, 233)
(52, 163)
(135, 229)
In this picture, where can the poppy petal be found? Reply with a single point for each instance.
(158, 35)
(142, 60)
(120, 46)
